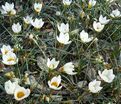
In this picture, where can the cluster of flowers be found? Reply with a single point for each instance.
(8, 9)
(13, 88)
(94, 86)
(68, 68)
(106, 75)
(10, 58)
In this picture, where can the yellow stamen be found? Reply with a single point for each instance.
(20, 94)
(54, 84)
(6, 51)
(11, 59)
(37, 10)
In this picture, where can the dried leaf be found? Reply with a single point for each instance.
(41, 62)
(91, 73)
(81, 84)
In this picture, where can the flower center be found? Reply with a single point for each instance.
(38, 9)
(6, 51)
(20, 94)
(11, 59)
(51, 66)
(54, 84)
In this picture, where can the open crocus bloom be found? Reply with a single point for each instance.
(27, 19)
(21, 93)
(115, 13)
(16, 28)
(63, 38)
(9, 58)
(55, 82)
(69, 68)
(67, 2)
(37, 7)
(63, 28)
(52, 64)
(107, 75)
(91, 3)
(94, 86)
(103, 20)
(37, 23)
(8, 9)
(84, 36)
(98, 26)
(5, 49)
(10, 87)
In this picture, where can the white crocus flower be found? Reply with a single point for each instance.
(55, 82)
(115, 13)
(10, 87)
(67, 2)
(37, 23)
(8, 9)
(63, 38)
(98, 26)
(9, 58)
(103, 20)
(5, 49)
(84, 36)
(27, 19)
(21, 93)
(94, 86)
(69, 68)
(37, 7)
(63, 28)
(91, 3)
(16, 28)
(52, 64)
(107, 75)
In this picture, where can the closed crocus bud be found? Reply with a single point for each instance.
(5, 49)
(9, 58)
(84, 36)
(52, 64)
(10, 87)
(63, 38)
(58, 13)
(115, 13)
(8, 9)
(54, 83)
(31, 36)
(16, 28)
(21, 93)
(107, 75)
(27, 19)
(68, 68)
(46, 98)
(37, 7)
(63, 28)
(67, 2)
(98, 26)
(82, 14)
(94, 86)
(37, 23)
(103, 20)
(91, 3)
